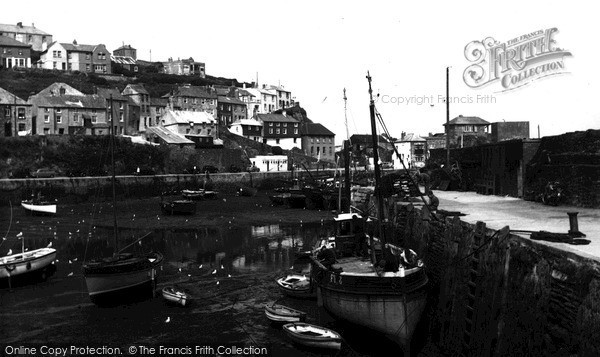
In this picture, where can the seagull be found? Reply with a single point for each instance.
(214, 271)
(49, 245)
(324, 99)
(75, 259)
(180, 270)
(189, 275)
(70, 262)
(20, 234)
(217, 283)
(168, 319)
(70, 274)
(200, 267)
(229, 275)
(9, 252)
(222, 266)
(224, 200)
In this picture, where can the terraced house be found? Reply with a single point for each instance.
(62, 110)
(195, 99)
(280, 130)
(230, 110)
(76, 57)
(15, 115)
(29, 35)
(14, 53)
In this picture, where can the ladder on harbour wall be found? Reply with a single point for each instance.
(472, 289)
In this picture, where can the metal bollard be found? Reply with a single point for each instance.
(574, 225)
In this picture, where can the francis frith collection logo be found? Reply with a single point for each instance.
(514, 63)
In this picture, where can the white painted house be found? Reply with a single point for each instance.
(413, 151)
(269, 163)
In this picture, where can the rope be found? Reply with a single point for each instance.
(9, 223)
(380, 118)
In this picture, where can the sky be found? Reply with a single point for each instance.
(317, 48)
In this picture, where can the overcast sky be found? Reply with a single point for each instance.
(315, 49)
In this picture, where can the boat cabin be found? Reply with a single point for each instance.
(347, 227)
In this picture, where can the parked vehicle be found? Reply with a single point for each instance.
(44, 173)
(210, 169)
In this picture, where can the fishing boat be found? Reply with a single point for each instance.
(37, 261)
(295, 285)
(39, 206)
(313, 336)
(177, 206)
(174, 295)
(295, 200)
(278, 199)
(375, 293)
(280, 313)
(122, 277)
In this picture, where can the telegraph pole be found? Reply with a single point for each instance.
(448, 116)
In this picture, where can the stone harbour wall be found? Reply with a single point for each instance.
(494, 293)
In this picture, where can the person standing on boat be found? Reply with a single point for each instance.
(424, 179)
(327, 256)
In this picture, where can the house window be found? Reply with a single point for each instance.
(121, 117)
(46, 119)
(208, 132)
(87, 56)
(87, 67)
(70, 66)
(21, 126)
(20, 52)
(46, 131)
(295, 140)
(187, 131)
(54, 65)
(270, 131)
(276, 141)
(120, 105)
(69, 55)
(285, 131)
(317, 140)
(278, 124)
(58, 110)
(278, 131)
(46, 110)
(94, 119)
(75, 117)
(295, 131)
(270, 124)
(61, 131)
(312, 140)
(59, 119)
(7, 112)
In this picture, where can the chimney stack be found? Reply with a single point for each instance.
(19, 24)
(284, 113)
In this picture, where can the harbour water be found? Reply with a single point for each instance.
(229, 271)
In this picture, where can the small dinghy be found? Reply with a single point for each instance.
(39, 206)
(313, 336)
(174, 295)
(280, 313)
(295, 285)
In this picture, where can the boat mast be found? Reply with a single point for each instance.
(112, 164)
(376, 164)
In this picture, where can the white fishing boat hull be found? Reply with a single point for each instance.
(297, 286)
(396, 316)
(39, 208)
(27, 262)
(278, 313)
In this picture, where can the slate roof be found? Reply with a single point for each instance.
(222, 99)
(168, 136)
(134, 89)
(125, 47)
(315, 129)
(116, 95)
(54, 89)
(78, 48)
(6, 41)
(276, 118)
(411, 137)
(460, 120)
(7, 97)
(123, 59)
(25, 29)
(247, 122)
(186, 117)
(72, 101)
(195, 91)
(159, 102)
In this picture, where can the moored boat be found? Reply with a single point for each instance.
(175, 207)
(296, 285)
(284, 314)
(39, 206)
(313, 336)
(295, 200)
(195, 195)
(37, 261)
(174, 295)
(112, 278)
(386, 293)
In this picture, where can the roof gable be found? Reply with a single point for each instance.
(21, 29)
(7, 97)
(460, 120)
(54, 89)
(6, 41)
(315, 129)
